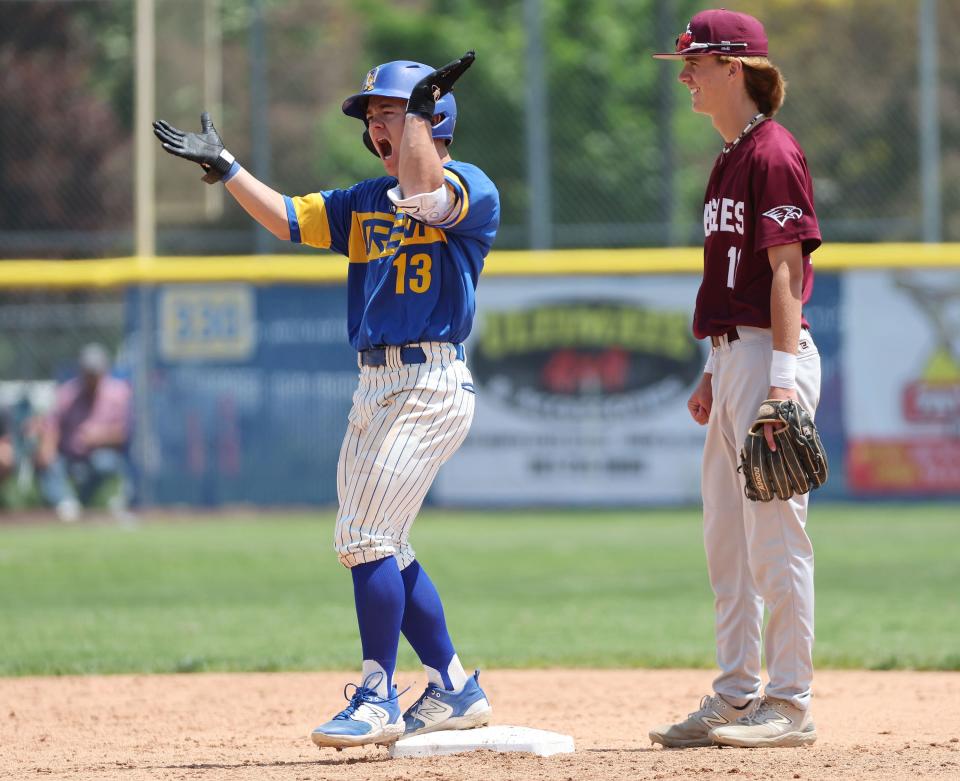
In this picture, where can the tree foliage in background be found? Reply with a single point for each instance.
(65, 159)
(853, 103)
(603, 111)
(627, 155)
(611, 169)
(851, 67)
(490, 97)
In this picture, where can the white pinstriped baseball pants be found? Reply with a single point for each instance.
(406, 421)
(758, 553)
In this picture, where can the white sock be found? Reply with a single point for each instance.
(380, 683)
(455, 673)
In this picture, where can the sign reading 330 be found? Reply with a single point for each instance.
(207, 322)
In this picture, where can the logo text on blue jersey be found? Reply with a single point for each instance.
(376, 233)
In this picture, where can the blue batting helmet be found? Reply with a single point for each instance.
(396, 80)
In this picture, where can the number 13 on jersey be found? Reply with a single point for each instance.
(733, 255)
(420, 264)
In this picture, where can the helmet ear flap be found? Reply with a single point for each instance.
(368, 143)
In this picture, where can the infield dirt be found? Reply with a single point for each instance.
(872, 725)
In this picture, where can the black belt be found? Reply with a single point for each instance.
(411, 354)
(730, 333)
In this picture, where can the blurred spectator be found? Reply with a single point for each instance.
(83, 442)
(7, 455)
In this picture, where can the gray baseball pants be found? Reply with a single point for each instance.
(758, 553)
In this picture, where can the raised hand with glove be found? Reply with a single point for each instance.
(421, 191)
(204, 148)
(426, 92)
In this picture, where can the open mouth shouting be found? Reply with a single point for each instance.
(384, 147)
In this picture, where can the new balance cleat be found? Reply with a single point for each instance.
(774, 724)
(439, 709)
(694, 731)
(369, 718)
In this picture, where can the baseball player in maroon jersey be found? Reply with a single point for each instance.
(760, 229)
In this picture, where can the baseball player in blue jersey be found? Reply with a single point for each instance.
(416, 240)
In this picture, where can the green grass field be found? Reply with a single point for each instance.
(522, 589)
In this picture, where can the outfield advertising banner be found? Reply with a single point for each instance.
(243, 393)
(902, 336)
(582, 385)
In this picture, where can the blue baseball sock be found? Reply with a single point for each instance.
(379, 596)
(425, 627)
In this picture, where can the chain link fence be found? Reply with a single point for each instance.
(606, 154)
(590, 141)
(610, 156)
(613, 157)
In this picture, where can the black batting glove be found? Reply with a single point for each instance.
(204, 148)
(426, 92)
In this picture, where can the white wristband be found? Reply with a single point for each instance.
(708, 367)
(783, 370)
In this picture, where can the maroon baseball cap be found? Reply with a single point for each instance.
(720, 31)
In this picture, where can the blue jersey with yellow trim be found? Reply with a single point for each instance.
(407, 281)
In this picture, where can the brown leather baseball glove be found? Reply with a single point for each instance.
(799, 463)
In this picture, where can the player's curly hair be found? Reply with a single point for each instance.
(764, 82)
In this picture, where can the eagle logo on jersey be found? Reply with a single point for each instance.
(780, 214)
(370, 82)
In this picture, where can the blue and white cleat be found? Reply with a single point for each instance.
(439, 709)
(369, 718)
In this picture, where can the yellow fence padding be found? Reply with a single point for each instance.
(328, 268)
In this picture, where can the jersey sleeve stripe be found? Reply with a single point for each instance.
(312, 220)
(463, 194)
(458, 203)
(454, 182)
(292, 220)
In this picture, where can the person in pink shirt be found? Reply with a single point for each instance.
(84, 440)
(7, 451)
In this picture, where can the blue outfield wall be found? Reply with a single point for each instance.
(242, 391)
(824, 315)
(243, 395)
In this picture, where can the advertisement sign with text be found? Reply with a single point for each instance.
(582, 386)
(903, 382)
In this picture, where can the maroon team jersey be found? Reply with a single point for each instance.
(759, 195)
